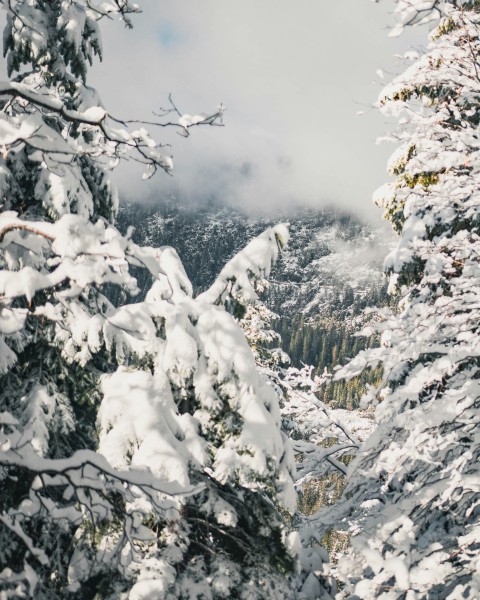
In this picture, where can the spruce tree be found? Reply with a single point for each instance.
(140, 449)
(413, 495)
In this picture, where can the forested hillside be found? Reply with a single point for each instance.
(330, 272)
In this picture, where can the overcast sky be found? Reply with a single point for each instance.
(292, 76)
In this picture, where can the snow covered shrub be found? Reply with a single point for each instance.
(413, 496)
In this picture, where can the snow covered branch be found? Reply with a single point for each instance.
(236, 282)
(418, 12)
(31, 129)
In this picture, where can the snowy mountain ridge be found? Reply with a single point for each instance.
(330, 253)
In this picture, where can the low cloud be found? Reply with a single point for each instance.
(292, 77)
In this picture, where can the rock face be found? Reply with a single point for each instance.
(331, 268)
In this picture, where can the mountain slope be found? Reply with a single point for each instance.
(329, 251)
(331, 270)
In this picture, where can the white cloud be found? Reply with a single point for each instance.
(292, 75)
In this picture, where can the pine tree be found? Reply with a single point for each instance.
(413, 494)
(140, 450)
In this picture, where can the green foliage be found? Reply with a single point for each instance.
(424, 179)
(399, 167)
(332, 340)
(321, 492)
(446, 26)
(394, 213)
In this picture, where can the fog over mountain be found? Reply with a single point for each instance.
(292, 81)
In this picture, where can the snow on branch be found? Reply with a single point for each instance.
(92, 494)
(237, 279)
(30, 128)
(413, 492)
(313, 426)
(86, 253)
(417, 12)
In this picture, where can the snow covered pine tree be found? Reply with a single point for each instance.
(414, 490)
(140, 450)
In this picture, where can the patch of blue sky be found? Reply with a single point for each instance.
(169, 35)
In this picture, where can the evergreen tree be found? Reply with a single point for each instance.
(140, 450)
(413, 493)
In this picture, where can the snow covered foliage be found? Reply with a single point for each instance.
(186, 412)
(320, 437)
(413, 495)
(141, 454)
(245, 273)
(323, 440)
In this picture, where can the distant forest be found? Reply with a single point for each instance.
(330, 340)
